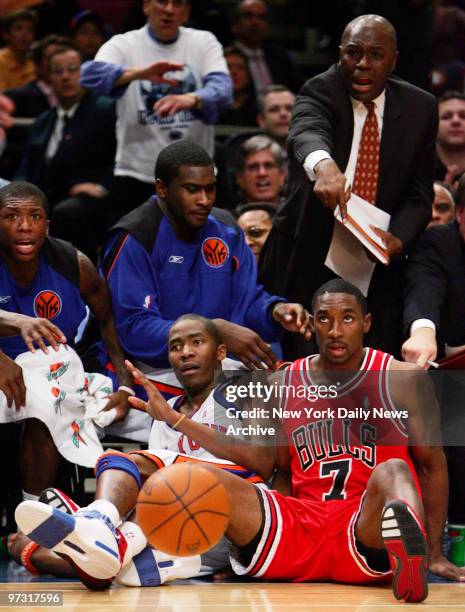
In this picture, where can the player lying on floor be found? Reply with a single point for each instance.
(186, 430)
(354, 507)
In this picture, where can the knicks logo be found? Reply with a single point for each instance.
(215, 252)
(47, 305)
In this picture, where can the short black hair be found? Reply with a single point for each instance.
(451, 95)
(268, 207)
(210, 327)
(182, 153)
(22, 190)
(339, 285)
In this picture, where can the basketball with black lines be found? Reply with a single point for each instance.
(183, 509)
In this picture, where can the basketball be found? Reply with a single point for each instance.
(183, 509)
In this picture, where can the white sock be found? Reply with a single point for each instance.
(107, 508)
(135, 539)
(29, 496)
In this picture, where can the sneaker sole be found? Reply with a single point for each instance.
(405, 541)
(57, 499)
(76, 539)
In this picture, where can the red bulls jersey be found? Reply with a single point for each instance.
(336, 442)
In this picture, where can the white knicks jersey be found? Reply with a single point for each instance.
(171, 446)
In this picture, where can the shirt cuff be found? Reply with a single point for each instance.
(312, 160)
(422, 323)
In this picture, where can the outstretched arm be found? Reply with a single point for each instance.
(258, 459)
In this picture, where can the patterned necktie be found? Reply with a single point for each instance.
(367, 168)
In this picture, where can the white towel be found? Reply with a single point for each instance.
(68, 400)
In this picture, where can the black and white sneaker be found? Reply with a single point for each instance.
(405, 540)
(56, 498)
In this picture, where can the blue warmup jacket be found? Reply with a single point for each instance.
(53, 294)
(154, 278)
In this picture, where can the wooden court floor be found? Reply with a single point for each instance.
(192, 596)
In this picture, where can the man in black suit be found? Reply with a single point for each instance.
(434, 290)
(268, 63)
(70, 155)
(30, 100)
(434, 315)
(325, 139)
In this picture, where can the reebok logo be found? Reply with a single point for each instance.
(176, 259)
(4, 299)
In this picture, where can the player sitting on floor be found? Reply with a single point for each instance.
(187, 429)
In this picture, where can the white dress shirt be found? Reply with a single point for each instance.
(360, 114)
(57, 133)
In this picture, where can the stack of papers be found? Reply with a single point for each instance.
(347, 256)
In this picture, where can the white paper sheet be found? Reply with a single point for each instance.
(346, 255)
(365, 215)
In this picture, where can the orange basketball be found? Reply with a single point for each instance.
(183, 509)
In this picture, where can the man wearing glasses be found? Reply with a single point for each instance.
(170, 82)
(70, 154)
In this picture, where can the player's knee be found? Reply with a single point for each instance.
(393, 468)
(114, 460)
(145, 466)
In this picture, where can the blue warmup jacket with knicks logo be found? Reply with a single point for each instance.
(155, 277)
(53, 293)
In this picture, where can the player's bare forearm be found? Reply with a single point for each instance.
(432, 474)
(115, 352)
(96, 295)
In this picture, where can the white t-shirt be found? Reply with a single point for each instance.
(141, 134)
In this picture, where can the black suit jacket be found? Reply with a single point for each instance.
(434, 285)
(86, 152)
(29, 100)
(292, 261)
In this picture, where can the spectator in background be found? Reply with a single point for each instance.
(30, 100)
(448, 48)
(37, 96)
(260, 170)
(154, 111)
(255, 220)
(8, 6)
(18, 32)
(244, 108)
(70, 154)
(87, 33)
(268, 63)
(275, 106)
(443, 204)
(450, 141)
(275, 109)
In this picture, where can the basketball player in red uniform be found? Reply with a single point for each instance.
(355, 513)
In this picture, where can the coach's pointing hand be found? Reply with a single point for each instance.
(293, 317)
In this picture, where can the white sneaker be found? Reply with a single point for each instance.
(152, 567)
(88, 540)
